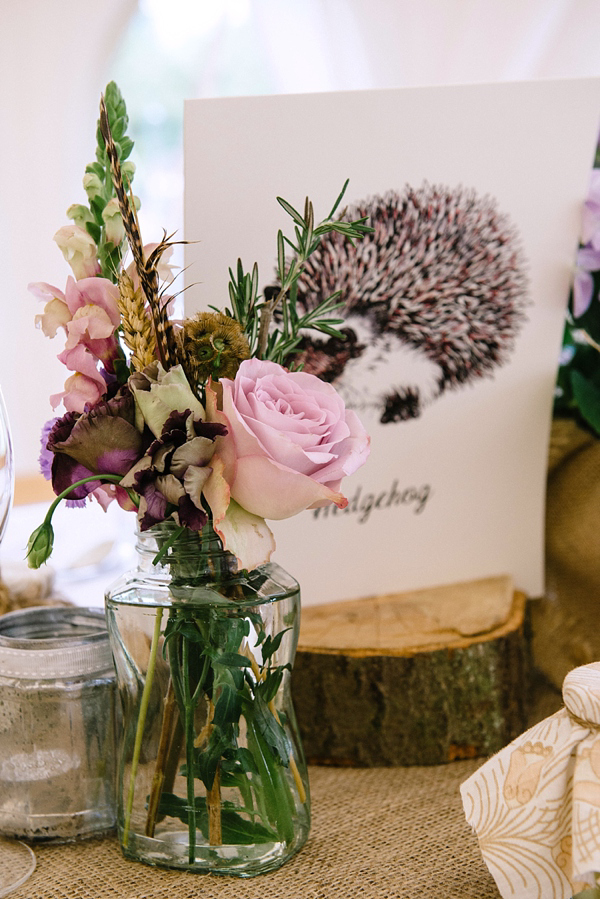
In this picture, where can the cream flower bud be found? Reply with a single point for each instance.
(79, 250)
(92, 185)
(113, 223)
(79, 214)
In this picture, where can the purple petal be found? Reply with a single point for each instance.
(588, 259)
(46, 456)
(583, 284)
(66, 471)
(189, 515)
(210, 429)
(176, 422)
(156, 506)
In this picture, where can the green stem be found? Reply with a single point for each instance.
(139, 733)
(112, 478)
(167, 545)
(189, 749)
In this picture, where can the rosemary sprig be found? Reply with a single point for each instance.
(256, 318)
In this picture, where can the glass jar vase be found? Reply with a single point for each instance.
(211, 774)
(57, 698)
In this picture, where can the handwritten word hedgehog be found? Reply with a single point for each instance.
(433, 299)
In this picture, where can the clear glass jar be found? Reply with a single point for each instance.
(211, 769)
(57, 698)
(7, 474)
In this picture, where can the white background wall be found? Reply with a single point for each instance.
(56, 58)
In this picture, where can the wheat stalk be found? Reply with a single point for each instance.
(146, 268)
(138, 332)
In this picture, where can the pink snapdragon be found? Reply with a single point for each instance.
(89, 314)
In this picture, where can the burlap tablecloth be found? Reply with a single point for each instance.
(378, 833)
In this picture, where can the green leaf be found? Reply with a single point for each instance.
(339, 199)
(240, 831)
(269, 687)
(121, 370)
(97, 204)
(272, 731)
(228, 707)
(208, 760)
(291, 211)
(587, 398)
(95, 168)
(190, 632)
(272, 644)
(118, 128)
(125, 146)
(280, 256)
(245, 759)
(237, 629)
(94, 230)
(234, 660)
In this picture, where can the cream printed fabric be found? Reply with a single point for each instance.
(535, 806)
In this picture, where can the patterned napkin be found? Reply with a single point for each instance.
(535, 806)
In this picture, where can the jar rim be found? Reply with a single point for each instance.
(53, 641)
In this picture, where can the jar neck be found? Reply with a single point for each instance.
(180, 553)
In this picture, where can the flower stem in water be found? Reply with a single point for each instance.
(139, 733)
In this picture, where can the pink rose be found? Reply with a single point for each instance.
(290, 440)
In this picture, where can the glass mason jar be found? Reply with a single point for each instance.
(57, 697)
(7, 474)
(212, 774)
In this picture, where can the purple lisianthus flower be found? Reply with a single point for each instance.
(102, 440)
(46, 457)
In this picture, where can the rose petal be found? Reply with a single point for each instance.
(247, 536)
(216, 490)
(270, 490)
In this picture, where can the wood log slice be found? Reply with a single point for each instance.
(418, 678)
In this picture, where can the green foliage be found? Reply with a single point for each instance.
(99, 186)
(255, 314)
(577, 393)
(209, 661)
(235, 829)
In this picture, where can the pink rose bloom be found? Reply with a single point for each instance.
(79, 249)
(290, 440)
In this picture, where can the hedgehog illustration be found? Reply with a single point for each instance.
(433, 299)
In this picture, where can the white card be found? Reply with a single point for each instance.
(457, 492)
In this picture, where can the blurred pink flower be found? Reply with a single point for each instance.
(590, 229)
(588, 260)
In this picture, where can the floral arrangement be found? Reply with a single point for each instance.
(204, 428)
(578, 384)
(195, 421)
